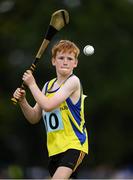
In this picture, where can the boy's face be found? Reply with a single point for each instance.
(64, 62)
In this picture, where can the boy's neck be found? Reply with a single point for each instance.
(61, 79)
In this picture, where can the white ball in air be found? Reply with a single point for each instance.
(88, 50)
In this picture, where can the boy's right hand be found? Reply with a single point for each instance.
(19, 94)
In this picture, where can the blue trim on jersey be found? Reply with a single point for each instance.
(53, 90)
(46, 87)
(49, 91)
(81, 136)
(75, 109)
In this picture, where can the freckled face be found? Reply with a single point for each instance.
(65, 62)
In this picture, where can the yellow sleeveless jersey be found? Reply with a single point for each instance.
(65, 125)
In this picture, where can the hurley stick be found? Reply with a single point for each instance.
(58, 20)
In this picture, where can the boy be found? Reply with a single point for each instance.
(61, 103)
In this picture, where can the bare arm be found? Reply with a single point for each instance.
(32, 114)
(48, 104)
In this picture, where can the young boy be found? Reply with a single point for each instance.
(61, 103)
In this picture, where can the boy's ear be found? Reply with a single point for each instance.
(76, 63)
(53, 61)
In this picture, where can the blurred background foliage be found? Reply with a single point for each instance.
(106, 76)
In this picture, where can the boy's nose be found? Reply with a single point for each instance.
(65, 61)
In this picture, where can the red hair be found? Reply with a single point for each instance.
(65, 45)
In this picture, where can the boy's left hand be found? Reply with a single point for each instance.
(28, 78)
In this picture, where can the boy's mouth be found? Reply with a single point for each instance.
(64, 67)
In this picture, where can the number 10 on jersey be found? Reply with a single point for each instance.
(53, 120)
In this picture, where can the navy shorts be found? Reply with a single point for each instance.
(70, 158)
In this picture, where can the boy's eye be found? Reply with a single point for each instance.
(61, 57)
(69, 58)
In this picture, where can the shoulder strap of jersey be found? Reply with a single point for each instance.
(49, 85)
